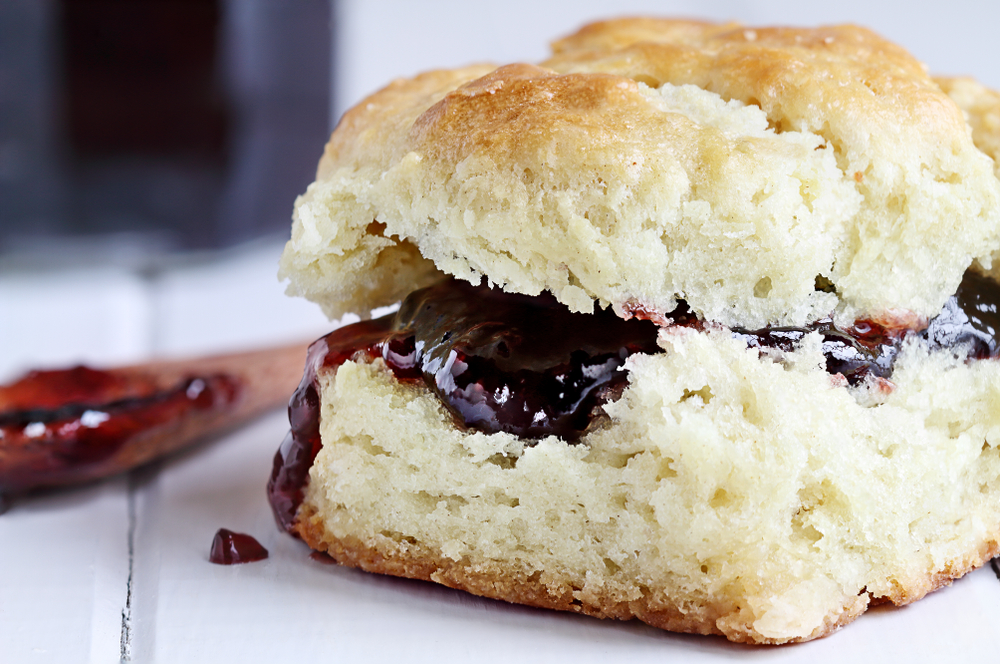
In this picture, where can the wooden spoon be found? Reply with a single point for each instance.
(80, 424)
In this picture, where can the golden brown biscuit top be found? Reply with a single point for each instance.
(650, 160)
(822, 80)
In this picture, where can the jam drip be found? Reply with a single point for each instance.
(300, 447)
(68, 425)
(528, 366)
(229, 548)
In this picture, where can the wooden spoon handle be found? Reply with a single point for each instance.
(80, 424)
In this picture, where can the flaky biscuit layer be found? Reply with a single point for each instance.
(726, 493)
(651, 160)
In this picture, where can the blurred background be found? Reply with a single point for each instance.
(151, 126)
(138, 128)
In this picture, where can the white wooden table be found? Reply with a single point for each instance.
(119, 569)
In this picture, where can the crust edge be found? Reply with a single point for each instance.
(411, 560)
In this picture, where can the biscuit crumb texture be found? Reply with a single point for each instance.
(725, 493)
(648, 161)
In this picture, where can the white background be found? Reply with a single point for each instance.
(385, 39)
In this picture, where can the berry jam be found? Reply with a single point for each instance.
(300, 447)
(514, 363)
(970, 319)
(67, 426)
(498, 361)
(866, 349)
(530, 367)
(229, 548)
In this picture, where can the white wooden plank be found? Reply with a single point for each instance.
(230, 302)
(56, 319)
(448, 33)
(63, 572)
(63, 555)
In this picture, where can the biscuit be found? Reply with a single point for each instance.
(728, 167)
(727, 495)
(728, 184)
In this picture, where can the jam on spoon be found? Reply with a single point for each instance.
(80, 424)
(69, 424)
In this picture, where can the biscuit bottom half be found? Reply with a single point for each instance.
(727, 492)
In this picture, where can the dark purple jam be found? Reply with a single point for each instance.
(528, 366)
(970, 319)
(968, 324)
(301, 445)
(514, 363)
(866, 349)
(229, 548)
(65, 426)
(498, 361)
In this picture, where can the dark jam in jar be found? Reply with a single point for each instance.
(530, 367)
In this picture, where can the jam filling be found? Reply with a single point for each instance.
(498, 361)
(62, 426)
(229, 548)
(528, 366)
(865, 349)
(970, 319)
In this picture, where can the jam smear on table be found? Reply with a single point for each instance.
(529, 366)
(61, 426)
(229, 548)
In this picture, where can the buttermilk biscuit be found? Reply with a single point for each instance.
(727, 495)
(766, 177)
(649, 161)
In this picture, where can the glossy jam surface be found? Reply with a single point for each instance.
(300, 447)
(968, 324)
(970, 319)
(229, 548)
(867, 349)
(498, 361)
(53, 389)
(59, 426)
(530, 367)
(514, 363)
